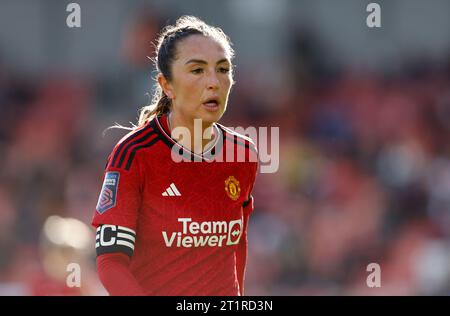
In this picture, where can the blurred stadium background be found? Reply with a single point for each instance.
(364, 117)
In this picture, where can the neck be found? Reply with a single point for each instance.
(201, 134)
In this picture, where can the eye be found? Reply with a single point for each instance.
(224, 70)
(197, 71)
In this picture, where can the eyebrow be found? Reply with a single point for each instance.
(199, 61)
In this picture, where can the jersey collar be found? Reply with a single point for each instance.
(208, 155)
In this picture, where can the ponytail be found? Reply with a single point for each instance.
(161, 104)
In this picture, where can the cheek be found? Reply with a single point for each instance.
(226, 83)
(187, 88)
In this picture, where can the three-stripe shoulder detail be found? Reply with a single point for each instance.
(238, 139)
(125, 151)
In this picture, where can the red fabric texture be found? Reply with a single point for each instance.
(115, 275)
(242, 250)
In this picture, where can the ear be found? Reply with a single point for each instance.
(165, 86)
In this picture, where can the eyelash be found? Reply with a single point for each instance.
(200, 70)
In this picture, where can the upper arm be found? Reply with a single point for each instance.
(117, 209)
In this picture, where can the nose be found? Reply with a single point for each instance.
(212, 81)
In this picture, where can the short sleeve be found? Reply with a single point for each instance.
(248, 205)
(119, 200)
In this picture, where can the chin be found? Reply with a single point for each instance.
(211, 117)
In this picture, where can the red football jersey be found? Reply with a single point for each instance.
(179, 221)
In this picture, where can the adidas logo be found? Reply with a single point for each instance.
(171, 191)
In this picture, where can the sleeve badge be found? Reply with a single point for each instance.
(108, 195)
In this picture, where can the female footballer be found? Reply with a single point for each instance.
(172, 214)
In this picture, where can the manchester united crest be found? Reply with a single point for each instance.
(232, 188)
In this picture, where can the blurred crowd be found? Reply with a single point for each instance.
(364, 172)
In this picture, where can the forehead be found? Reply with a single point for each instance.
(200, 47)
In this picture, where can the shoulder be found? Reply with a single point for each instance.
(238, 138)
(125, 151)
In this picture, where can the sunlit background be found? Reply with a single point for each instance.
(364, 117)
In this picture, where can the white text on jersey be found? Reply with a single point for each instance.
(204, 234)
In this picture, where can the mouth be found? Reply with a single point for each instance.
(211, 104)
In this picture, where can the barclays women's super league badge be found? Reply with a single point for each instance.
(108, 196)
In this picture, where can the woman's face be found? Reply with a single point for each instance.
(201, 80)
